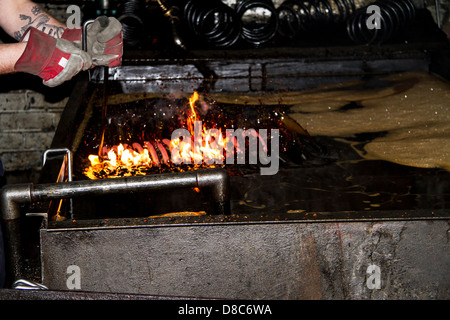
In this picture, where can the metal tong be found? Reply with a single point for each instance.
(104, 23)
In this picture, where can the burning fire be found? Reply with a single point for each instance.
(198, 150)
(202, 150)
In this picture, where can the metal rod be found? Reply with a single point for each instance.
(438, 13)
(216, 180)
(108, 186)
(61, 178)
(84, 34)
(84, 39)
(104, 110)
(68, 159)
(84, 43)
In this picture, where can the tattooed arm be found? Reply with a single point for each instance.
(16, 16)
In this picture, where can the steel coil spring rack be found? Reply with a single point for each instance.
(296, 16)
(259, 21)
(132, 16)
(380, 21)
(213, 22)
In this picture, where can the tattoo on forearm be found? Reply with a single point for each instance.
(36, 10)
(39, 22)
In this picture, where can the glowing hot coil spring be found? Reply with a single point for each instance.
(148, 157)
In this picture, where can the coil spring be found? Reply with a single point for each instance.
(213, 21)
(296, 16)
(259, 20)
(132, 23)
(394, 18)
(222, 26)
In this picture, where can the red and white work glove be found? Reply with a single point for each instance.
(104, 41)
(54, 60)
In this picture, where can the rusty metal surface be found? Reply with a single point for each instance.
(258, 75)
(289, 260)
(12, 294)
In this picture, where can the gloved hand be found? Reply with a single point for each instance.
(104, 41)
(54, 60)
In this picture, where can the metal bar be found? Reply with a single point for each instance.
(84, 39)
(84, 34)
(68, 159)
(216, 180)
(438, 13)
(62, 175)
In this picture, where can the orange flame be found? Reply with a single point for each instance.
(193, 117)
(205, 148)
(206, 145)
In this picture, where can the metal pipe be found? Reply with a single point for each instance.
(11, 197)
(216, 180)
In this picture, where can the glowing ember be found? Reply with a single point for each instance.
(203, 149)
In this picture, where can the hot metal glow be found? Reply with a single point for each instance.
(202, 150)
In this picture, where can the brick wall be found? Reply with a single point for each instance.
(27, 127)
